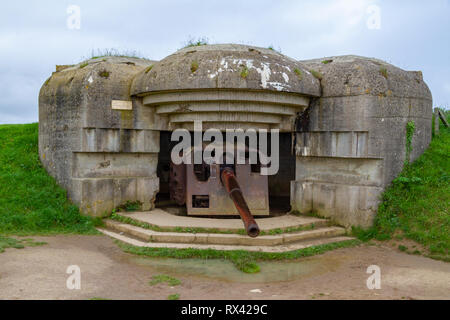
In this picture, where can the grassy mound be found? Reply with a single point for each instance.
(416, 206)
(31, 202)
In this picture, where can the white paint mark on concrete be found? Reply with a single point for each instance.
(277, 85)
(224, 63)
(265, 74)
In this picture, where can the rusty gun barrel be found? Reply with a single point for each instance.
(232, 186)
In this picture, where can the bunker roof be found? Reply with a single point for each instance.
(226, 66)
(355, 75)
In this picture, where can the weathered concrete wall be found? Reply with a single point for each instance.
(102, 156)
(353, 142)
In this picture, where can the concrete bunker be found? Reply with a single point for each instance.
(105, 128)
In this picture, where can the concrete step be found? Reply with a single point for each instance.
(147, 235)
(271, 249)
(164, 220)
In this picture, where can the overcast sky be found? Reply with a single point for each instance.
(35, 36)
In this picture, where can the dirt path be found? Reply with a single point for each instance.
(107, 272)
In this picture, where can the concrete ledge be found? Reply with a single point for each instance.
(265, 97)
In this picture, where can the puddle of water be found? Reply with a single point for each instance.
(271, 271)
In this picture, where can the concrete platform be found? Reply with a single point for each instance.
(162, 219)
(270, 249)
(180, 232)
(221, 239)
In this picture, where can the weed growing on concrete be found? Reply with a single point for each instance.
(298, 73)
(148, 69)
(271, 47)
(111, 52)
(196, 42)
(244, 72)
(104, 74)
(384, 72)
(194, 66)
(316, 74)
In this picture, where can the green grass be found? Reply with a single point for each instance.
(104, 74)
(416, 205)
(31, 202)
(163, 278)
(149, 68)
(7, 242)
(298, 73)
(193, 42)
(384, 72)
(244, 72)
(174, 296)
(272, 47)
(111, 52)
(246, 261)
